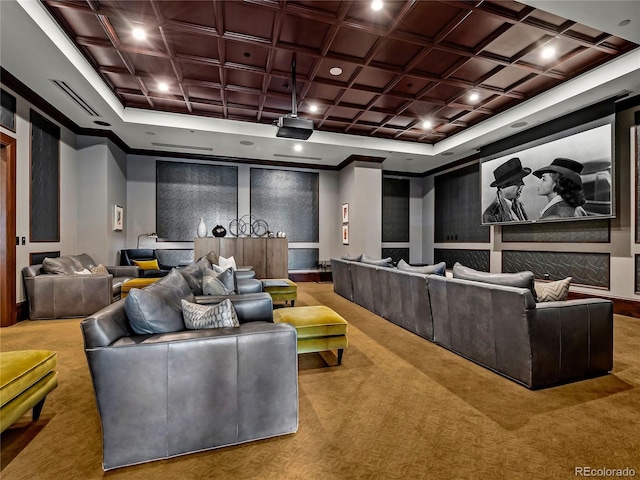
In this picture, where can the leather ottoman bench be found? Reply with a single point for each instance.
(26, 378)
(281, 290)
(319, 328)
(139, 282)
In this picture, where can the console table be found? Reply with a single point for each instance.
(269, 257)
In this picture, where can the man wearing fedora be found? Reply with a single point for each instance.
(561, 183)
(508, 180)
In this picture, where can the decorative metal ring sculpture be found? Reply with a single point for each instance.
(248, 225)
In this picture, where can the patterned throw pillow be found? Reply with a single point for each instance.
(147, 264)
(99, 270)
(553, 291)
(197, 316)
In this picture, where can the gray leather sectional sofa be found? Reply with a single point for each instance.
(499, 327)
(160, 395)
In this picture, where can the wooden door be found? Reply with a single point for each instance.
(7, 230)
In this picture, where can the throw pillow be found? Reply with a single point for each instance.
(227, 262)
(100, 270)
(212, 285)
(553, 291)
(520, 279)
(209, 316)
(212, 257)
(158, 308)
(59, 266)
(84, 271)
(227, 276)
(437, 269)
(147, 264)
(349, 258)
(383, 262)
(194, 273)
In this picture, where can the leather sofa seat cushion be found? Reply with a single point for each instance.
(437, 269)
(521, 279)
(382, 262)
(158, 308)
(60, 266)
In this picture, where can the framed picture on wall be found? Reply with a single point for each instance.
(345, 234)
(345, 213)
(118, 218)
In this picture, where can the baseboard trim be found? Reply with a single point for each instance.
(22, 311)
(621, 306)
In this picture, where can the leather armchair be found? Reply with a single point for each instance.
(240, 384)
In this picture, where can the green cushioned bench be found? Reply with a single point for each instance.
(319, 328)
(26, 378)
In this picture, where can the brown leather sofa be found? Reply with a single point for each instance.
(500, 327)
(65, 294)
(160, 395)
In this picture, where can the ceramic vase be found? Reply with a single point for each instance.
(202, 228)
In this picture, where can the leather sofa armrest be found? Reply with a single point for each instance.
(249, 285)
(250, 307)
(245, 274)
(125, 271)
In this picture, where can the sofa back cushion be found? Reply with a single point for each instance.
(194, 274)
(521, 279)
(60, 266)
(158, 308)
(382, 262)
(349, 258)
(437, 269)
(83, 261)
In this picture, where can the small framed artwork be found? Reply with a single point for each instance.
(345, 213)
(118, 218)
(345, 234)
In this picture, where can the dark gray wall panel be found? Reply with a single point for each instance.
(457, 207)
(187, 191)
(396, 254)
(45, 180)
(7, 110)
(585, 268)
(593, 231)
(637, 289)
(175, 257)
(476, 259)
(288, 201)
(36, 258)
(637, 183)
(303, 258)
(395, 210)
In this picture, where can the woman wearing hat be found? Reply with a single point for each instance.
(560, 182)
(506, 207)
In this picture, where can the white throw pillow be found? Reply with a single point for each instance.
(198, 316)
(83, 272)
(227, 262)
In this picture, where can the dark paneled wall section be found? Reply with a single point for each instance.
(45, 180)
(288, 201)
(7, 110)
(395, 210)
(585, 268)
(593, 231)
(457, 207)
(187, 191)
(477, 259)
(396, 254)
(303, 258)
(36, 258)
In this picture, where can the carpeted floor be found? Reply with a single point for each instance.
(399, 407)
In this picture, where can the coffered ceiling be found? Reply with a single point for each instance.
(413, 72)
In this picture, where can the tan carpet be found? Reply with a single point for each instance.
(399, 407)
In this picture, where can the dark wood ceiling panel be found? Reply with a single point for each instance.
(409, 61)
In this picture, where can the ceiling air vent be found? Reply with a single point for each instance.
(64, 86)
(189, 147)
(299, 157)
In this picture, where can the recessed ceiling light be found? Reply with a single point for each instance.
(426, 124)
(335, 71)
(376, 5)
(163, 87)
(519, 125)
(101, 123)
(548, 52)
(474, 96)
(138, 33)
(313, 108)
(624, 23)
(297, 147)
(246, 142)
(150, 133)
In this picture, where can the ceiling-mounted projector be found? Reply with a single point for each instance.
(290, 126)
(294, 127)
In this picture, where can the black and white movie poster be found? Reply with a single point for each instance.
(565, 179)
